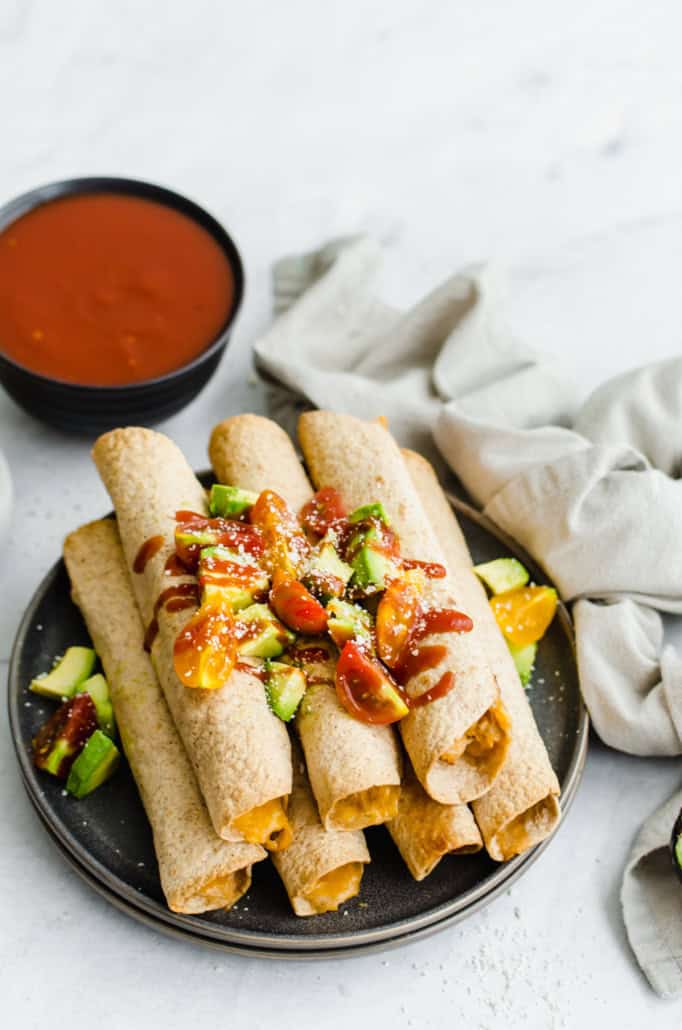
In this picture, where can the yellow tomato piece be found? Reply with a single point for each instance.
(525, 613)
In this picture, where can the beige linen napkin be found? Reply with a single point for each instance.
(652, 902)
(593, 492)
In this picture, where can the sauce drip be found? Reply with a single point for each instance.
(442, 687)
(175, 567)
(147, 551)
(431, 569)
(105, 289)
(174, 599)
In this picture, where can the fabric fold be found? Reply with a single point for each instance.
(599, 505)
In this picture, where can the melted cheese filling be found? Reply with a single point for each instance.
(338, 886)
(366, 808)
(486, 742)
(267, 825)
(526, 830)
(223, 891)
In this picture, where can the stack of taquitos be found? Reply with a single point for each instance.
(354, 767)
(239, 750)
(350, 762)
(198, 870)
(457, 743)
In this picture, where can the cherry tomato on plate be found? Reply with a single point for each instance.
(365, 688)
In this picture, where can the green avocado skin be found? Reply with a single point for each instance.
(95, 764)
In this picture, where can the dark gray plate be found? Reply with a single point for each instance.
(108, 841)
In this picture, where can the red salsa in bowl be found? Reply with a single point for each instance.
(116, 299)
(105, 289)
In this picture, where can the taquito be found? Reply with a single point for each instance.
(521, 809)
(424, 830)
(321, 868)
(198, 870)
(458, 742)
(354, 768)
(239, 750)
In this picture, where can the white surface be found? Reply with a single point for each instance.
(547, 137)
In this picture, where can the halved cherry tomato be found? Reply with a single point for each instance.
(366, 690)
(205, 650)
(397, 617)
(322, 510)
(524, 614)
(296, 606)
(286, 546)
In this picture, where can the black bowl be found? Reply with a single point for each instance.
(674, 837)
(95, 409)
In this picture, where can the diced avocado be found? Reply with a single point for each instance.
(524, 660)
(263, 636)
(230, 501)
(370, 511)
(95, 764)
(285, 686)
(68, 673)
(502, 574)
(678, 851)
(244, 588)
(98, 689)
(63, 736)
(348, 622)
(370, 568)
(328, 575)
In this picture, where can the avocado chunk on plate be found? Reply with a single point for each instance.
(98, 689)
(502, 574)
(67, 675)
(59, 741)
(263, 635)
(524, 660)
(230, 501)
(285, 686)
(95, 764)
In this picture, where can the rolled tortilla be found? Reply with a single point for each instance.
(521, 809)
(321, 868)
(198, 870)
(457, 743)
(239, 750)
(424, 830)
(354, 768)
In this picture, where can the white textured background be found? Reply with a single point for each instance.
(547, 136)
